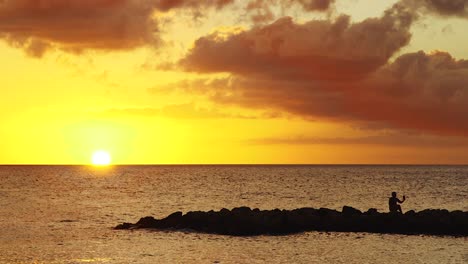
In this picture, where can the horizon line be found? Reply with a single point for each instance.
(242, 164)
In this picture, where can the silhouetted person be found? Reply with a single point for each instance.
(393, 203)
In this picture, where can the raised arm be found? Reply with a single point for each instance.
(404, 198)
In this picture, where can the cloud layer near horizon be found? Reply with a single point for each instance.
(389, 139)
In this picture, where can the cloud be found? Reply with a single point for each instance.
(315, 5)
(78, 25)
(392, 139)
(188, 111)
(262, 11)
(442, 7)
(339, 71)
(316, 50)
(75, 25)
(420, 91)
(165, 5)
(307, 5)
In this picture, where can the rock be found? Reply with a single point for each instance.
(348, 210)
(148, 221)
(124, 226)
(241, 210)
(172, 220)
(326, 211)
(410, 213)
(224, 211)
(372, 211)
(175, 215)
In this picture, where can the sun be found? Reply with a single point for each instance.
(101, 158)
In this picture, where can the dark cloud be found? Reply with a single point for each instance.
(77, 25)
(419, 91)
(308, 5)
(340, 71)
(262, 11)
(315, 5)
(444, 7)
(165, 5)
(316, 50)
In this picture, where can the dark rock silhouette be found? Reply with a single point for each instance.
(243, 221)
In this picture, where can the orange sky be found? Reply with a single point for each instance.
(234, 81)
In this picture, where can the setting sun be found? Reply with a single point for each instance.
(101, 158)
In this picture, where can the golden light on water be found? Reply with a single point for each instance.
(101, 158)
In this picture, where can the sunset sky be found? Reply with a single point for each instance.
(234, 81)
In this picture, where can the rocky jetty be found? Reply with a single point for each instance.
(243, 221)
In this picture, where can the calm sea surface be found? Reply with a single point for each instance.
(65, 214)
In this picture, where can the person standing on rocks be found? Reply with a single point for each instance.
(393, 203)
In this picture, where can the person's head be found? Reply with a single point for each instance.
(393, 194)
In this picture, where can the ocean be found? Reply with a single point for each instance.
(66, 214)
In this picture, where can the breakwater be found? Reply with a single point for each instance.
(244, 221)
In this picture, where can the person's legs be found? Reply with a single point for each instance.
(399, 209)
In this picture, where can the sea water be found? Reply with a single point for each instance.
(65, 214)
